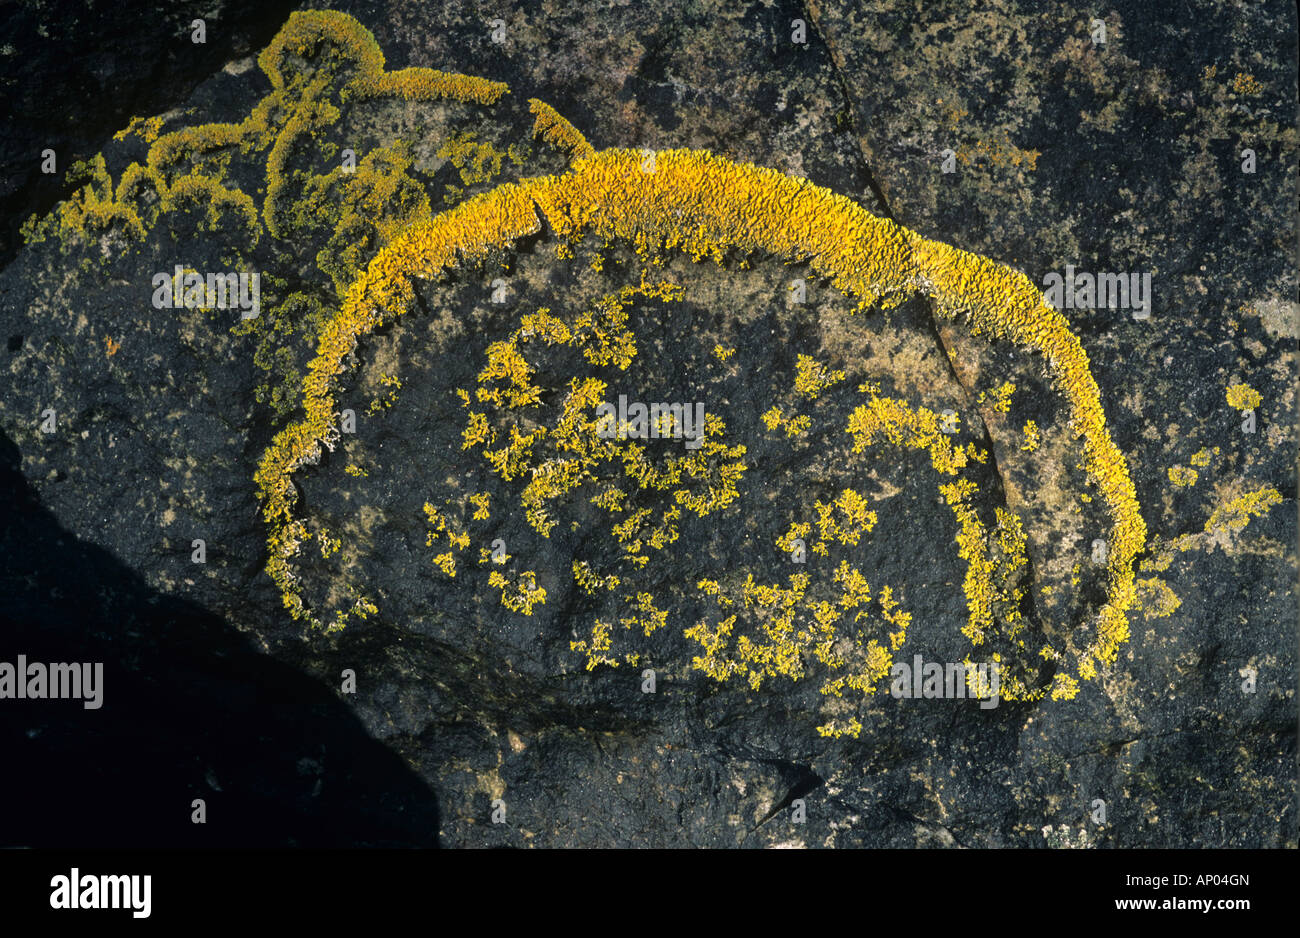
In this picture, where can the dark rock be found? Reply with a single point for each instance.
(1113, 159)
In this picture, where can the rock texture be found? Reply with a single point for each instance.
(1111, 157)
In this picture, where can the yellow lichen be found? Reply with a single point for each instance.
(811, 378)
(1243, 397)
(456, 540)
(521, 595)
(597, 648)
(1156, 599)
(1000, 398)
(1032, 437)
(1246, 85)
(145, 127)
(1229, 518)
(557, 131)
(701, 204)
(480, 502)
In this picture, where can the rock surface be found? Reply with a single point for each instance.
(1122, 156)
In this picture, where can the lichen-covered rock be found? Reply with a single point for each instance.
(404, 490)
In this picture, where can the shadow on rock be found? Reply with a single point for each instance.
(190, 710)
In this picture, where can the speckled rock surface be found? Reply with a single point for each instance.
(1115, 157)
